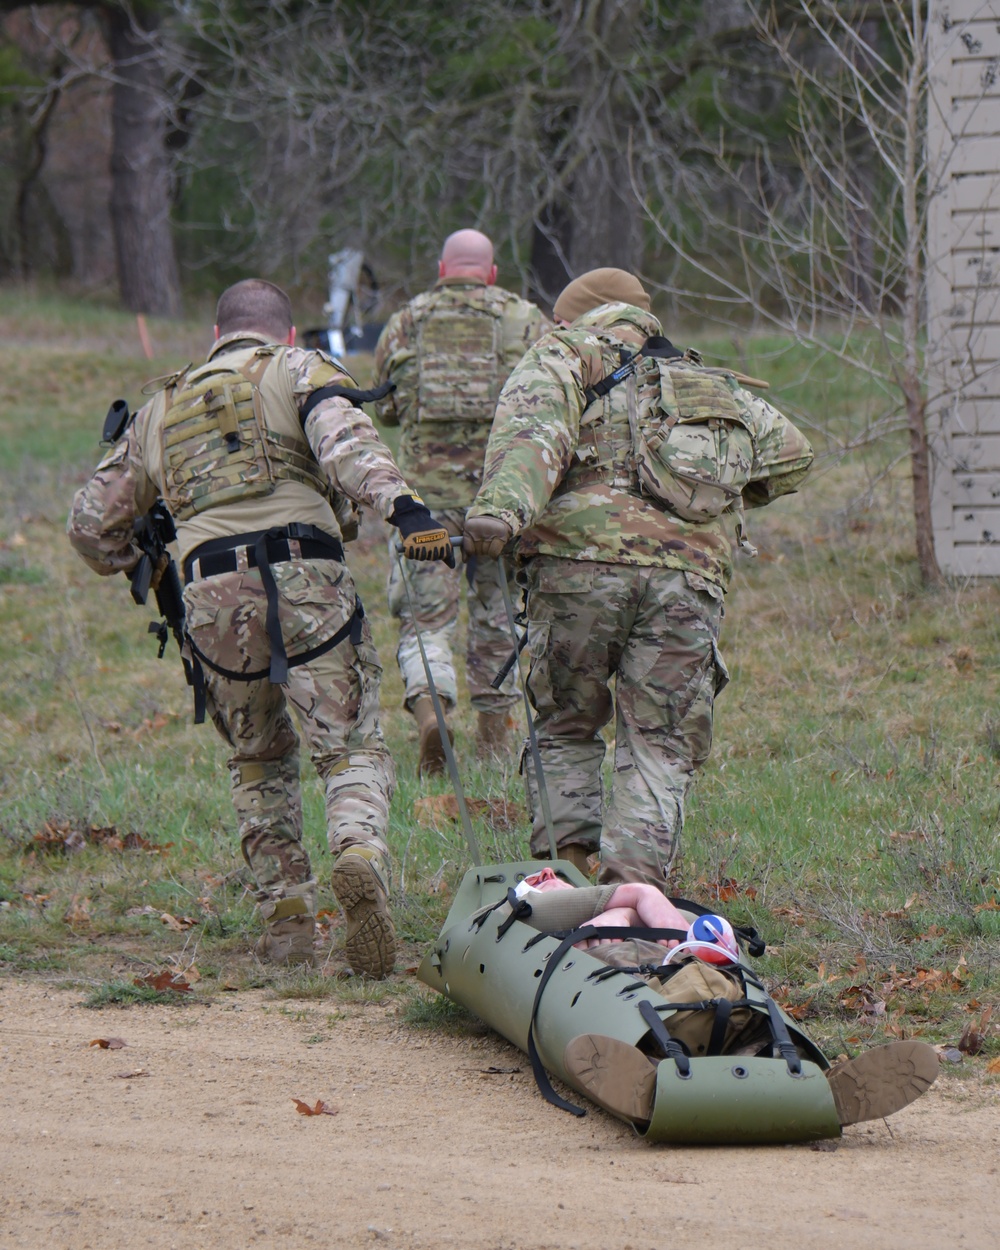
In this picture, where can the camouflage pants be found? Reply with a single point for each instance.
(655, 632)
(335, 699)
(435, 590)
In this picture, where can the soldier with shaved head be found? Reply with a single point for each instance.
(449, 352)
(624, 468)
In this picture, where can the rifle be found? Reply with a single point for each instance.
(152, 533)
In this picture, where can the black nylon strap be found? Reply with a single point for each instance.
(278, 674)
(655, 346)
(723, 1012)
(355, 394)
(520, 909)
(218, 555)
(541, 1076)
(779, 1029)
(672, 1049)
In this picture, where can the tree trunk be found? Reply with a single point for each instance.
(603, 207)
(140, 199)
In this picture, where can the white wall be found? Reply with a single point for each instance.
(963, 287)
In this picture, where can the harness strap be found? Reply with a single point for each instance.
(672, 1049)
(723, 1011)
(218, 555)
(655, 346)
(350, 629)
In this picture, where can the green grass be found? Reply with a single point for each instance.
(850, 807)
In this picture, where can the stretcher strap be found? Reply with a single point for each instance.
(672, 1049)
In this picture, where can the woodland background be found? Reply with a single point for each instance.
(761, 167)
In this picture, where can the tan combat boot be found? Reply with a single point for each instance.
(576, 855)
(288, 938)
(360, 884)
(493, 734)
(883, 1080)
(432, 761)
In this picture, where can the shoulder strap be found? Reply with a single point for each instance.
(655, 347)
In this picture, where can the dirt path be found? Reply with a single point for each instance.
(202, 1148)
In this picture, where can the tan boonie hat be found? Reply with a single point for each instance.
(600, 286)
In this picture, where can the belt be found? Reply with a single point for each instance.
(231, 555)
(261, 549)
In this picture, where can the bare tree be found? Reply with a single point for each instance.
(822, 232)
(377, 125)
(141, 105)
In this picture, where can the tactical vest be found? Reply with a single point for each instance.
(459, 351)
(671, 431)
(217, 445)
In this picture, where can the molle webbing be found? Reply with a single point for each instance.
(655, 347)
(459, 352)
(217, 446)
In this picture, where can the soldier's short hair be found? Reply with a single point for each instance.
(257, 305)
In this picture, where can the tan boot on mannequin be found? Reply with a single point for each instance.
(576, 855)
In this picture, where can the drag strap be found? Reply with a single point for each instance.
(672, 1049)
(353, 393)
(783, 1043)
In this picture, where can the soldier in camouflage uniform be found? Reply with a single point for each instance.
(449, 352)
(253, 454)
(619, 585)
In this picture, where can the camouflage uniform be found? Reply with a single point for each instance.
(335, 695)
(449, 352)
(618, 586)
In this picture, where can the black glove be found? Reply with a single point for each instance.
(423, 538)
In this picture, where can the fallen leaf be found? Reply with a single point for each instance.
(109, 1043)
(321, 1108)
(993, 1067)
(162, 981)
(502, 815)
(78, 912)
(177, 923)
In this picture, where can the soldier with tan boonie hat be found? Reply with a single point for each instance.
(623, 469)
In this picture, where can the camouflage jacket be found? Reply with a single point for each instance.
(540, 476)
(129, 479)
(449, 351)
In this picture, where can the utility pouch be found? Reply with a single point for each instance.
(694, 450)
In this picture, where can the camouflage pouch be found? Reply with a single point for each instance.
(694, 448)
